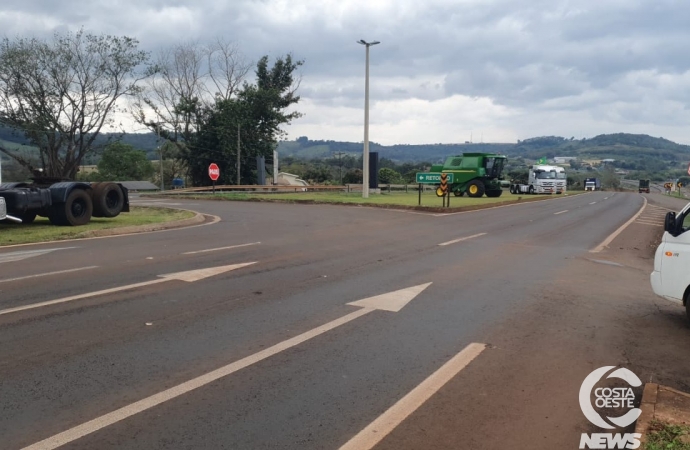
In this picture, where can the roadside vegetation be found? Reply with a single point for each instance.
(664, 436)
(42, 230)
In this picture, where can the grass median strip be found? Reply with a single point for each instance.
(42, 230)
(403, 200)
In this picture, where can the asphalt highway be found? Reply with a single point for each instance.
(263, 296)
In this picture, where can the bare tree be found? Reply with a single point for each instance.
(189, 78)
(61, 93)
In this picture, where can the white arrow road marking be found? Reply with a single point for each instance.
(59, 272)
(190, 276)
(386, 422)
(24, 254)
(221, 248)
(455, 241)
(384, 302)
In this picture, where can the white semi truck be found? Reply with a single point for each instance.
(542, 179)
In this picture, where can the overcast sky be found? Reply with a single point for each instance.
(445, 71)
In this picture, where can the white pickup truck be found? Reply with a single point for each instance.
(671, 276)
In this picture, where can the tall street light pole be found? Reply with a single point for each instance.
(365, 156)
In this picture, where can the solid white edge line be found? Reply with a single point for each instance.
(58, 272)
(220, 248)
(561, 212)
(149, 402)
(389, 420)
(455, 241)
(613, 235)
(81, 296)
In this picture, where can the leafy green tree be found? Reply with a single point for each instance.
(353, 176)
(609, 179)
(389, 176)
(254, 117)
(61, 93)
(122, 162)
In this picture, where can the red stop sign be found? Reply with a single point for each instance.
(213, 171)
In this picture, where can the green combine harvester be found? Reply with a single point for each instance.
(473, 173)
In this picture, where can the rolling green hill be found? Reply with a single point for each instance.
(635, 152)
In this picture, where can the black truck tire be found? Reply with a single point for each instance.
(459, 193)
(108, 200)
(531, 190)
(475, 188)
(76, 210)
(494, 193)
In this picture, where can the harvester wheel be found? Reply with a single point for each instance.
(475, 188)
(439, 192)
(494, 193)
(108, 200)
(459, 193)
(76, 210)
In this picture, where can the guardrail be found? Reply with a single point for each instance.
(312, 188)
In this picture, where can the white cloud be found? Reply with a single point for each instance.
(445, 68)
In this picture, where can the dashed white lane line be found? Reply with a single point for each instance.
(593, 203)
(455, 241)
(389, 420)
(560, 212)
(47, 274)
(221, 248)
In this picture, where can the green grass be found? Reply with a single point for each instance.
(409, 199)
(42, 230)
(664, 436)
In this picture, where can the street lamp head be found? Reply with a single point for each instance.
(363, 42)
(374, 43)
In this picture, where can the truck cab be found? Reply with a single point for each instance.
(670, 278)
(545, 179)
(644, 186)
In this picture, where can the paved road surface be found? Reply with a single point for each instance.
(521, 279)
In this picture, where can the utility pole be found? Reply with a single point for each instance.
(238, 154)
(275, 166)
(365, 156)
(160, 153)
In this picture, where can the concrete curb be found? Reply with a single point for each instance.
(663, 404)
(648, 405)
(197, 219)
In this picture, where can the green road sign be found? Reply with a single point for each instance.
(433, 177)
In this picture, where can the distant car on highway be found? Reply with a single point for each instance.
(671, 276)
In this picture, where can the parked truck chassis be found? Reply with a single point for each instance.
(64, 202)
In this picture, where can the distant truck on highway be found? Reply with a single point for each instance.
(542, 179)
(644, 186)
(592, 184)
